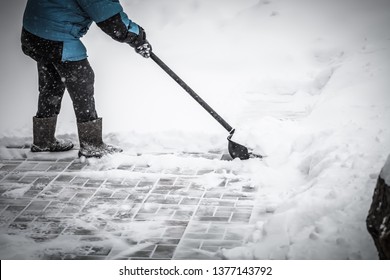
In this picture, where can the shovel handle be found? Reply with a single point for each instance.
(189, 90)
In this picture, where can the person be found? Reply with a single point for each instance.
(51, 36)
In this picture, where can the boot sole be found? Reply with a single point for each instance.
(89, 156)
(35, 149)
(99, 155)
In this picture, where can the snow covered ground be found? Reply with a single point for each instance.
(304, 82)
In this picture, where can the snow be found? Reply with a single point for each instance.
(304, 82)
(16, 191)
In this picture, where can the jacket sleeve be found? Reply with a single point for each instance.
(118, 30)
(110, 17)
(100, 10)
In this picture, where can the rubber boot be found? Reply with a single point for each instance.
(91, 142)
(44, 139)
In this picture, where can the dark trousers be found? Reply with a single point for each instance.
(77, 77)
(56, 75)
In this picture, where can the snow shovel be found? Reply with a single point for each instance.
(235, 150)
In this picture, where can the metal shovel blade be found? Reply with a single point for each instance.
(239, 151)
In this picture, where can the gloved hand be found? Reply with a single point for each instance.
(145, 49)
(140, 44)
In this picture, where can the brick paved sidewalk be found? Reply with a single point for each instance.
(64, 209)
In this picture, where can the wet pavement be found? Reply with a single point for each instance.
(65, 209)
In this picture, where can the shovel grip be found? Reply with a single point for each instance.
(193, 94)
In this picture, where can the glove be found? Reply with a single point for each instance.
(145, 49)
(140, 44)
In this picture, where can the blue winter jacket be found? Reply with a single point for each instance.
(68, 20)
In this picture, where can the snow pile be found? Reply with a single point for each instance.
(304, 82)
(338, 149)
